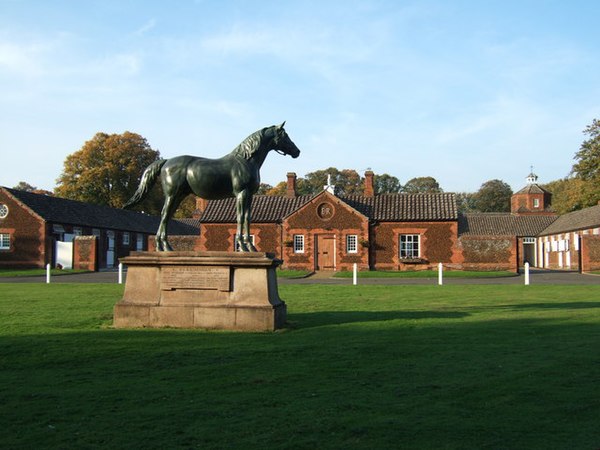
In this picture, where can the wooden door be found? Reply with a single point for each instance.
(325, 252)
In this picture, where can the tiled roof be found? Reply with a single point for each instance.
(405, 207)
(385, 207)
(502, 224)
(265, 208)
(576, 220)
(533, 189)
(64, 211)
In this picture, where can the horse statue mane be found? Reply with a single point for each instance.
(250, 145)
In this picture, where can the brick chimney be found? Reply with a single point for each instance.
(369, 185)
(291, 185)
(200, 207)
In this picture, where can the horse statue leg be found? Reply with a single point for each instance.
(242, 209)
(172, 201)
(246, 223)
(162, 245)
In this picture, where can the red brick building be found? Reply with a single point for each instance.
(35, 228)
(379, 232)
(572, 241)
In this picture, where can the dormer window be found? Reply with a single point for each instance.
(536, 202)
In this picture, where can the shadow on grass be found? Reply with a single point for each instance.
(447, 384)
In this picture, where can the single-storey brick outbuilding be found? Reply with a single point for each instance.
(383, 232)
(34, 227)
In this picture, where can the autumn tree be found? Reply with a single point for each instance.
(566, 194)
(107, 171)
(422, 185)
(493, 196)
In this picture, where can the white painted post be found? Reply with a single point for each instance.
(47, 273)
(440, 274)
(120, 273)
(526, 274)
(355, 274)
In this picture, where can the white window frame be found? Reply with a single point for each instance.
(351, 243)
(298, 243)
(126, 238)
(4, 241)
(411, 247)
(536, 202)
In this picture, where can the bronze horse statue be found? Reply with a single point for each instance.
(234, 175)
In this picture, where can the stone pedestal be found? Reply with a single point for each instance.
(218, 290)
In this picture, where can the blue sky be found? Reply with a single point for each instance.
(464, 91)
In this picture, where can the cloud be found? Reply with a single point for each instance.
(22, 59)
(145, 28)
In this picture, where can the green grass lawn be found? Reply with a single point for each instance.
(373, 367)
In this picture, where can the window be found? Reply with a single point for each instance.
(409, 246)
(536, 202)
(77, 231)
(298, 243)
(351, 243)
(3, 211)
(4, 241)
(125, 238)
(140, 242)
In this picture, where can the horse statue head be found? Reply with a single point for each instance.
(282, 143)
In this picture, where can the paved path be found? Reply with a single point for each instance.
(540, 277)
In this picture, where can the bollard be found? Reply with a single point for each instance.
(440, 274)
(120, 273)
(47, 273)
(355, 274)
(526, 274)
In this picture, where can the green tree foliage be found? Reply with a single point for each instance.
(492, 196)
(24, 186)
(587, 165)
(422, 185)
(107, 171)
(346, 182)
(581, 188)
(386, 184)
(465, 202)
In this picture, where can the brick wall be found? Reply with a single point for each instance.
(27, 232)
(488, 253)
(590, 253)
(85, 253)
(437, 242)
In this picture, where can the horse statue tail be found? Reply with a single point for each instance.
(148, 179)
